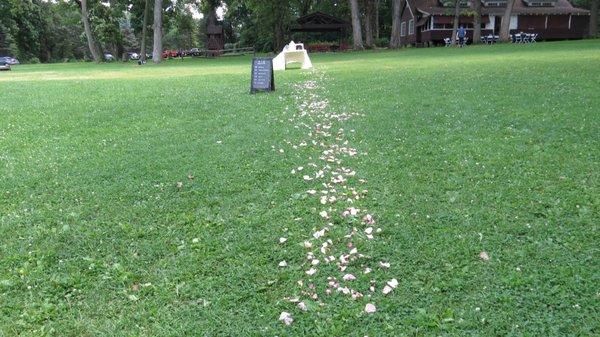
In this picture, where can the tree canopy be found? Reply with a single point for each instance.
(52, 30)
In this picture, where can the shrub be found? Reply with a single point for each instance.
(382, 42)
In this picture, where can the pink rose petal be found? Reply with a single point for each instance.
(349, 277)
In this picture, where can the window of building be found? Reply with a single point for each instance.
(403, 29)
(411, 27)
(451, 26)
(494, 3)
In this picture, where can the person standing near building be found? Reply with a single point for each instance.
(462, 32)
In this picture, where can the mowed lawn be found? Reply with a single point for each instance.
(148, 201)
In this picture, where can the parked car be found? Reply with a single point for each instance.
(133, 56)
(4, 65)
(170, 53)
(9, 60)
(194, 52)
(108, 57)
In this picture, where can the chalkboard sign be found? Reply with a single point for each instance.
(262, 75)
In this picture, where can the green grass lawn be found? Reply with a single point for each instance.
(484, 149)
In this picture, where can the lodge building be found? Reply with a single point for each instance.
(427, 22)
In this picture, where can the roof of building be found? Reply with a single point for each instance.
(319, 22)
(434, 7)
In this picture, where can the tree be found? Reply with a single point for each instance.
(280, 13)
(505, 26)
(397, 8)
(88, 30)
(158, 24)
(376, 23)
(144, 31)
(356, 29)
(304, 6)
(477, 22)
(369, 21)
(594, 18)
(456, 17)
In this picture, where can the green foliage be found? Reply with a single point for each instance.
(484, 148)
(382, 42)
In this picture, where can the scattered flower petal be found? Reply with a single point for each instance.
(370, 308)
(384, 264)
(484, 256)
(286, 318)
(349, 277)
(302, 306)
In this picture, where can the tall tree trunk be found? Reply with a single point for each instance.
(119, 48)
(280, 12)
(455, 23)
(376, 23)
(505, 25)
(144, 30)
(157, 48)
(594, 18)
(477, 22)
(88, 31)
(305, 7)
(396, 12)
(356, 29)
(369, 18)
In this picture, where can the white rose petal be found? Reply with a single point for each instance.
(384, 264)
(286, 318)
(370, 308)
(318, 234)
(484, 256)
(302, 306)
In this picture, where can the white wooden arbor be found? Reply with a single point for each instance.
(292, 53)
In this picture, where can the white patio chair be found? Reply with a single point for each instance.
(533, 37)
(518, 38)
(448, 41)
(490, 39)
(526, 38)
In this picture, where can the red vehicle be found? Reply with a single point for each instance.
(170, 53)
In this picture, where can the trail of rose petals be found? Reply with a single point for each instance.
(333, 187)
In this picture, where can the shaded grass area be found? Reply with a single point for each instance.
(491, 148)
